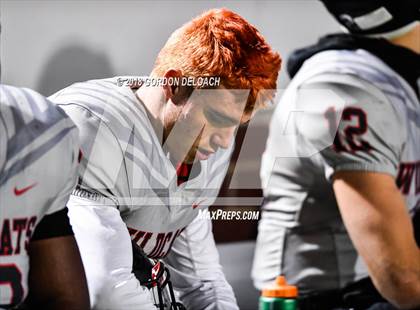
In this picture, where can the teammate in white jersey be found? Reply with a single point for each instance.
(39, 153)
(156, 155)
(342, 164)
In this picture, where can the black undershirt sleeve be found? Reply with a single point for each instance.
(53, 225)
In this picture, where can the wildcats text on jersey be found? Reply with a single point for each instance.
(408, 175)
(11, 232)
(155, 245)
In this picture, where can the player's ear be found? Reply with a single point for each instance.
(172, 80)
(174, 90)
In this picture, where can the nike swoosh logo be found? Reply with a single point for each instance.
(19, 192)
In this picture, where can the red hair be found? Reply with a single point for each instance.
(221, 43)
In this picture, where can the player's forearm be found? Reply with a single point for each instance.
(74, 299)
(57, 278)
(61, 303)
(376, 218)
(393, 260)
(400, 284)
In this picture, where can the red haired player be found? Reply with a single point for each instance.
(156, 150)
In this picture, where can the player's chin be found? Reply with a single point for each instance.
(190, 158)
(194, 159)
(197, 154)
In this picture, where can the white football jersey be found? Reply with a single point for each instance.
(38, 170)
(123, 160)
(344, 110)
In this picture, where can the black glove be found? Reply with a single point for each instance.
(143, 266)
(153, 274)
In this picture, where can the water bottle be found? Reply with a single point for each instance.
(279, 296)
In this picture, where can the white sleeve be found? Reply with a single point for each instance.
(354, 127)
(105, 248)
(196, 272)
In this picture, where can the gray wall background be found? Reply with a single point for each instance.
(46, 45)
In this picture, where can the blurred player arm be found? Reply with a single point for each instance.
(375, 215)
(56, 277)
(196, 272)
(367, 135)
